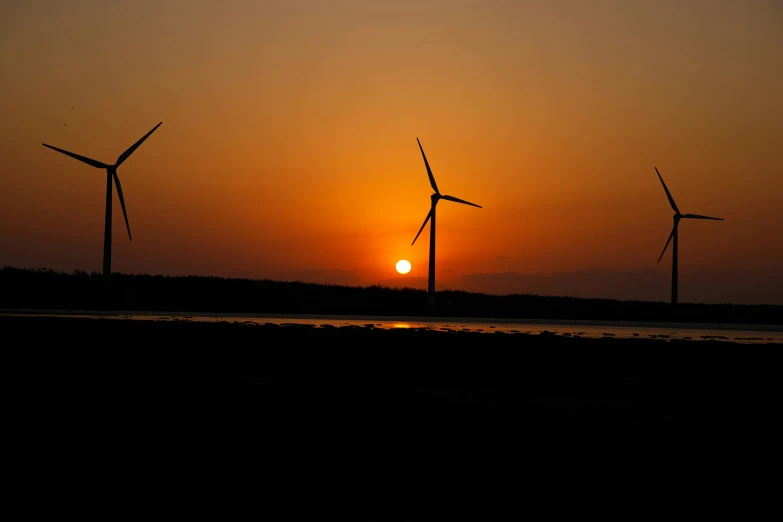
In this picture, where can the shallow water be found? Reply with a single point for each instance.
(738, 333)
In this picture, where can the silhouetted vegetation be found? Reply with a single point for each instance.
(49, 289)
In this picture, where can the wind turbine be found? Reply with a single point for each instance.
(673, 235)
(111, 172)
(437, 196)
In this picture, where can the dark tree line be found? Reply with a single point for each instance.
(49, 289)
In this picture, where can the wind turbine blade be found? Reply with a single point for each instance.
(696, 216)
(422, 226)
(135, 146)
(429, 171)
(668, 194)
(83, 159)
(667, 243)
(457, 200)
(122, 203)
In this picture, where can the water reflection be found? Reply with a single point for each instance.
(745, 334)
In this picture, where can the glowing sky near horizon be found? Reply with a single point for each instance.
(288, 142)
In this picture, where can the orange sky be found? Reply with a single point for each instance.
(289, 132)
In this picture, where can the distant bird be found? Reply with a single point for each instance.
(674, 234)
(111, 172)
(437, 196)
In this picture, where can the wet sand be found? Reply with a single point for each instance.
(628, 429)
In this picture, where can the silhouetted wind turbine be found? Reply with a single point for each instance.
(111, 172)
(673, 235)
(437, 196)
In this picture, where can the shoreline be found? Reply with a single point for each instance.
(404, 318)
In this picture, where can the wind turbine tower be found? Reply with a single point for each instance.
(111, 174)
(673, 236)
(435, 197)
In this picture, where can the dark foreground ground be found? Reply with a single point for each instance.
(362, 423)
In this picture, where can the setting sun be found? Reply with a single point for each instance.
(403, 266)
